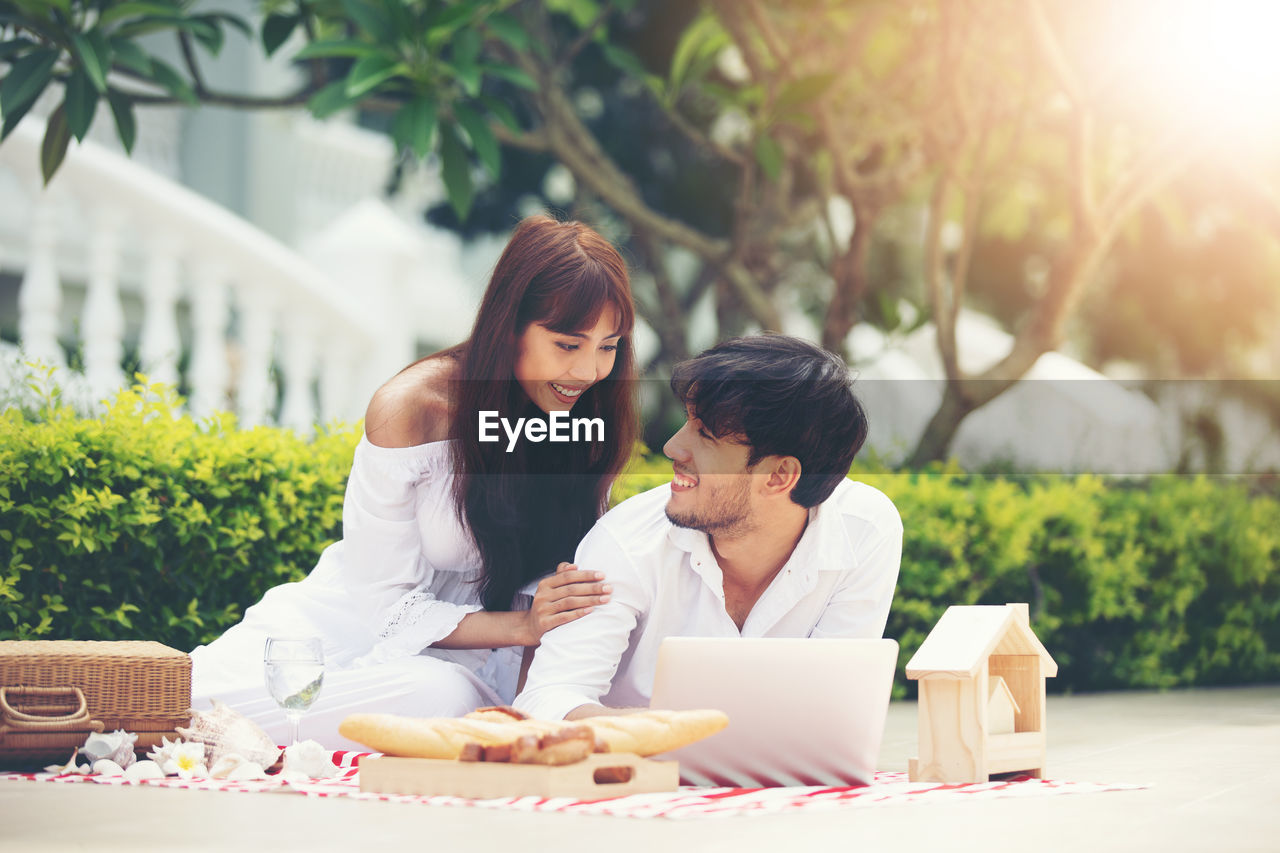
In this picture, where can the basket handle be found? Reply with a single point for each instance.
(12, 719)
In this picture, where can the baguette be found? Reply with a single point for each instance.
(654, 732)
(494, 735)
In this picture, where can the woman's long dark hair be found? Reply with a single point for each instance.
(528, 509)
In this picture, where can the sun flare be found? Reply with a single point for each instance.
(1212, 65)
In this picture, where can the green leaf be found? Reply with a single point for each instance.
(582, 12)
(414, 126)
(331, 99)
(509, 30)
(166, 76)
(456, 170)
(276, 30)
(207, 31)
(802, 92)
(130, 10)
(233, 20)
(453, 16)
(54, 148)
(14, 46)
(25, 81)
(466, 48)
(128, 54)
(769, 156)
(126, 124)
(81, 102)
(702, 39)
(371, 19)
(367, 73)
(624, 60)
(468, 76)
(511, 75)
(502, 112)
(337, 47)
(482, 138)
(95, 56)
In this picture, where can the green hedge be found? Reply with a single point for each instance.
(143, 524)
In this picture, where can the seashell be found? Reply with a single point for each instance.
(145, 769)
(225, 731)
(68, 768)
(247, 772)
(163, 754)
(117, 745)
(236, 767)
(309, 759)
(107, 767)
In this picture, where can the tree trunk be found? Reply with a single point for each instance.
(850, 274)
(935, 443)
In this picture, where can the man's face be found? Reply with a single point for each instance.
(711, 486)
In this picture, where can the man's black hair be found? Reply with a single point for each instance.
(783, 397)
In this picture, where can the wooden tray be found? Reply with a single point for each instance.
(482, 780)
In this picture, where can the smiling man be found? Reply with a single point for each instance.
(759, 533)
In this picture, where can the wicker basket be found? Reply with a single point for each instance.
(53, 693)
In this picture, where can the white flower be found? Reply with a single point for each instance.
(187, 761)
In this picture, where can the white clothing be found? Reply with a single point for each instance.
(838, 582)
(402, 577)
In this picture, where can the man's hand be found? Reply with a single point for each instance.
(562, 597)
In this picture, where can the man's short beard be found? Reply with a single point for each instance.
(729, 520)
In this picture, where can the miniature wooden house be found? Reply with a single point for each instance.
(982, 698)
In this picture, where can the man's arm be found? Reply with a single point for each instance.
(575, 664)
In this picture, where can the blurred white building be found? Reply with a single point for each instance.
(253, 258)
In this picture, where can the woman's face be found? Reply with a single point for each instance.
(554, 368)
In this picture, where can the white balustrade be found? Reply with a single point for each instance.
(298, 365)
(40, 295)
(148, 236)
(160, 346)
(337, 378)
(209, 375)
(255, 396)
(102, 322)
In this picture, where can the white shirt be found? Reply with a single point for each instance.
(838, 582)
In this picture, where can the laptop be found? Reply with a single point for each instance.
(801, 711)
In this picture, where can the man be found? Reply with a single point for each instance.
(759, 533)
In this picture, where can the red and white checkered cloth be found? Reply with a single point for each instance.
(888, 789)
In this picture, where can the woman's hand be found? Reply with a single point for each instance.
(562, 597)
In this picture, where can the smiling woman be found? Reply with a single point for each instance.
(451, 560)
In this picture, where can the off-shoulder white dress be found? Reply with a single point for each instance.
(402, 577)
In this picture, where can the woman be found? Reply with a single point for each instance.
(427, 604)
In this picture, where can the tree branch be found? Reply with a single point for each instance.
(587, 34)
(935, 280)
(1043, 36)
(189, 57)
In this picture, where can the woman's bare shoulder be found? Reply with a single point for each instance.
(413, 406)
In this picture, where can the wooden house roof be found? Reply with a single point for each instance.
(966, 636)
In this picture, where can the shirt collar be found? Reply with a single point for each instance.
(823, 535)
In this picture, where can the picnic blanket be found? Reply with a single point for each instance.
(889, 788)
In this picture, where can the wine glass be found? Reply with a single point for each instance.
(294, 673)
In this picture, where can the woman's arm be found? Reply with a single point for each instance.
(562, 597)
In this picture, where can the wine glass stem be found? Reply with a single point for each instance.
(294, 719)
